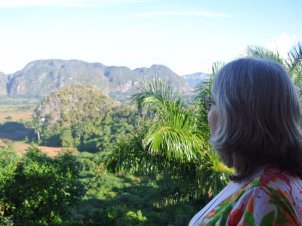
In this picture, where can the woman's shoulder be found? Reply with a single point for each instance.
(269, 182)
(272, 196)
(274, 178)
(273, 192)
(274, 182)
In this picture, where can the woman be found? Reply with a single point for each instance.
(255, 119)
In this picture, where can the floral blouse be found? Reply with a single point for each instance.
(273, 197)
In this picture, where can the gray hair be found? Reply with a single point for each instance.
(258, 117)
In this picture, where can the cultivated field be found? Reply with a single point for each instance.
(16, 110)
(21, 147)
(13, 115)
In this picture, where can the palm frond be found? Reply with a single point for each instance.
(203, 90)
(216, 66)
(152, 94)
(172, 143)
(295, 57)
(213, 173)
(261, 52)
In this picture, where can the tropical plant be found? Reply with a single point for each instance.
(170, 143)
(173, 133)
(262, 52)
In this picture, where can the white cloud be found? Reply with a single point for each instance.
(182, 14)
(31, 3)
(283, 43)
(60, 3)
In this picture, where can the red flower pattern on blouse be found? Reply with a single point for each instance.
(272, 198)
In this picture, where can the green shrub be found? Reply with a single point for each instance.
(42, 189)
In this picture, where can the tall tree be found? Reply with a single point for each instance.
(171, 143)
(173, 133)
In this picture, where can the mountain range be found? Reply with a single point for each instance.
(39, 78)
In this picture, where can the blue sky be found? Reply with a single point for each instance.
(187, 36)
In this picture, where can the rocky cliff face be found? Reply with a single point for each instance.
(166, 74)
(41, 77)
(196, 78)
(3, 83)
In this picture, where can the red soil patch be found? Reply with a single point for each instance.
(2, 143)
(21, 148)
(50, 151)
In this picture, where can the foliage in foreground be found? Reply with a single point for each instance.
(127, 199)
(36, 189)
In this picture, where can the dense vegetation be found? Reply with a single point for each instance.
(36, 189)
(148, 163)
(144, 167)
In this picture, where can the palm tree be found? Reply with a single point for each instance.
(171, 143)
(173, 133)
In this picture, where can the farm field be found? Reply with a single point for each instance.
(12, 119)
(21, 147)
(13, 111)
(14, 115)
